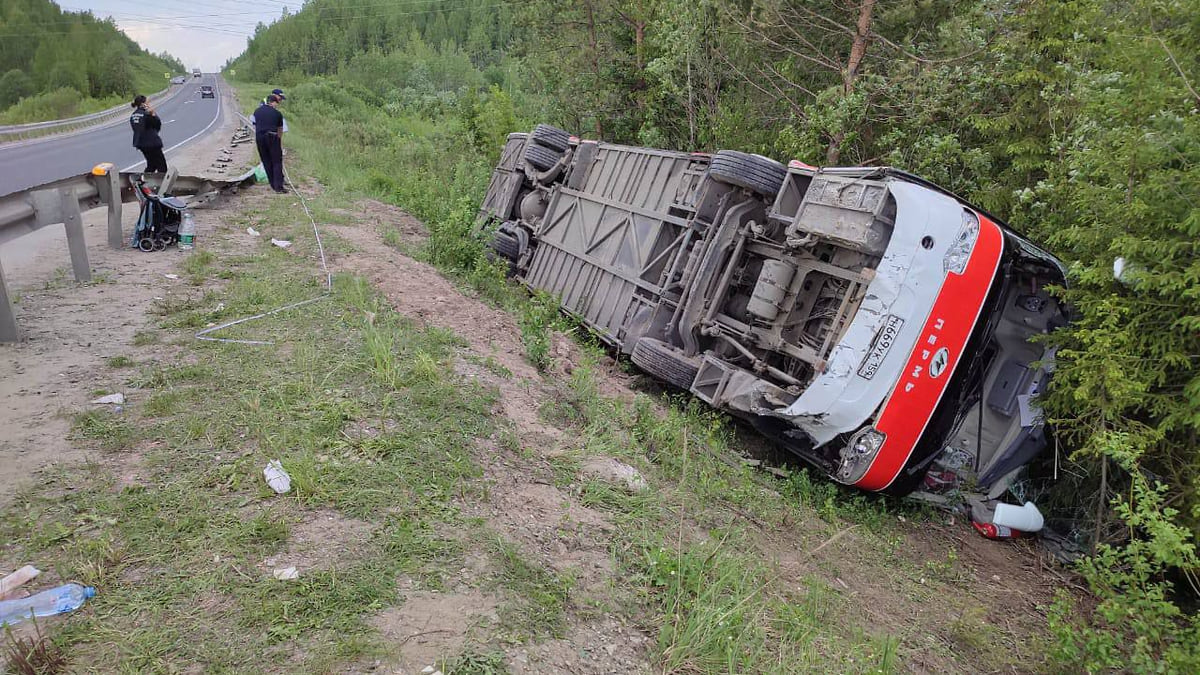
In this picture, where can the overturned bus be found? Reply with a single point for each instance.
(876, 325)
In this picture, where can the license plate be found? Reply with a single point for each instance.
(880, 346)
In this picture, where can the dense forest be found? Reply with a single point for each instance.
(56, 64)
(1078, 121)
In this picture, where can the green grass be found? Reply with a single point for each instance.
(539, 596)
(197, 266)
(177, 556)
(119, 362)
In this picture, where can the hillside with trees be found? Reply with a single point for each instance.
(56, 63)
(1077, 121)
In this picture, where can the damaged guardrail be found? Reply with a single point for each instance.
(20, 132)
(66, 200)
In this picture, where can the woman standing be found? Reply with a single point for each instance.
(146, 125)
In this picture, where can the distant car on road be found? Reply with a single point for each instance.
(195, 72)
(207, 92)
(178, 79)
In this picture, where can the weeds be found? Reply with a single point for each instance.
(120, 362)
(33, 655)
(197, 265)
(541, 596)
(537, 319)
(475, 663)
(111, 431)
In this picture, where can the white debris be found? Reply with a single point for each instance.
(286, 573)
(171, 276)
(252, 232)
(281, 243)
(276, 477)
(114, 399)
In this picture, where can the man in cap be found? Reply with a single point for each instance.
(279, 93)
(268, 130)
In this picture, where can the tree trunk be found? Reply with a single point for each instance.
(594, 47)
(858, 49)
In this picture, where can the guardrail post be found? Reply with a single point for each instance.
(76, 243)
(168, 180)
(108, 184)
(8, 319)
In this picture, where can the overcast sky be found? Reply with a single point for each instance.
(201, 33)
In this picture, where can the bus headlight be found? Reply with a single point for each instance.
(858, 454)
(960, 251)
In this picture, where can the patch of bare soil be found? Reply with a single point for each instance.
(429, 626)
(323, 539)
(599, 648)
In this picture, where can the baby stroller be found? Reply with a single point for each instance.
(158, 222)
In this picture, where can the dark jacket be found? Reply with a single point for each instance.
(145, 129)
(267, 120)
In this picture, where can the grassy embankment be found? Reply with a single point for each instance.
(174, 525)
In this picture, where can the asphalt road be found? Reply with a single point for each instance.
(185, 117)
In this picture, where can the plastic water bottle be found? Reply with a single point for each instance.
(65, 598)
(187, 231)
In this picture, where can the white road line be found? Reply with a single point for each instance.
(215, 118)
(169, 121)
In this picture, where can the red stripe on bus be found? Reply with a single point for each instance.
(908, 411)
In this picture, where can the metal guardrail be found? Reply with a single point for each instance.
(21, 132)
(64, 201)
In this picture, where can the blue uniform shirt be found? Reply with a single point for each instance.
(267, 120)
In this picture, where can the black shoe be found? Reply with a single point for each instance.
(282, 192)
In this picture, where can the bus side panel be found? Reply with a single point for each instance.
(602, 249)
(644, 178)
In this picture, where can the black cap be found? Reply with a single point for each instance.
(279, 93)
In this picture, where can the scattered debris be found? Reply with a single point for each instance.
(286, 573)
(172, 277)
(281, 243)
(111, 399)
(431, 670)
(613, 471)
(276, 477)
(252, 232)
(10, 583)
